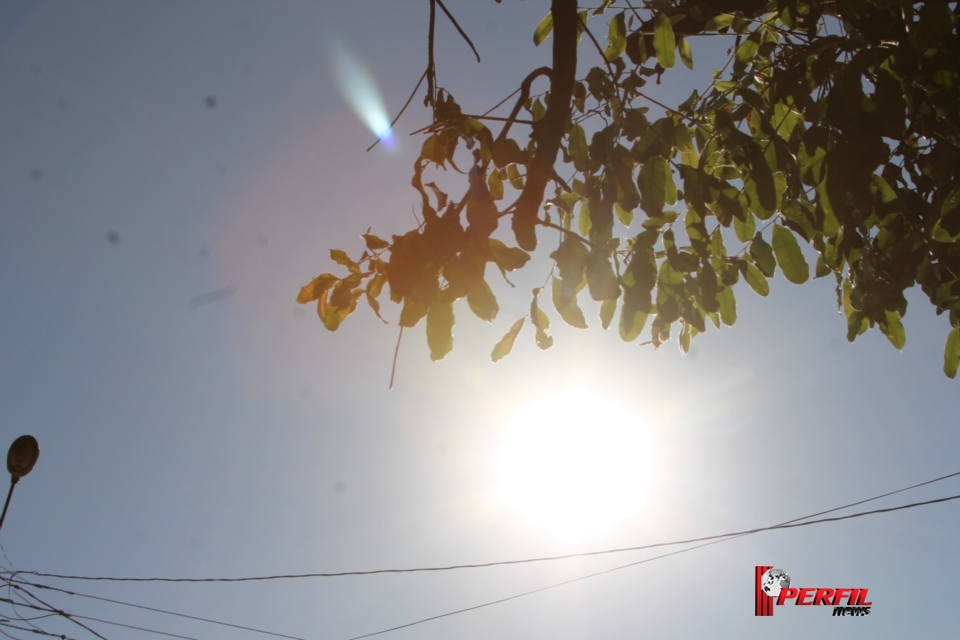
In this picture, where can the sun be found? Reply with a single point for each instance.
(574, 463)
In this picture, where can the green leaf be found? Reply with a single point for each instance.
(543, 29)
(616, 38)
(411, 313)
(631, 324)
(578, 148)
(540, 322)
(505, 346)
(789, 256)
(685, 335)
(686, 56)
(664, 41)
(584, 223)
(625, 217)
(440, 330)
(755, 278)
(607, 310)
(893, 329)
(601, 280)
(507, 258)
(748, 49)
(341, 258)
(745, 230)
(718, 22)
(728, 306)
(495, 183)
(949, 218)
(652, 183)
(317, 287)
(374, 243)
(567, 306)
(763, 254)
(951, 354)
(481, 300)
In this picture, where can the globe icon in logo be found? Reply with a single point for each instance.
(773, 580)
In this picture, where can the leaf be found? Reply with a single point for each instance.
(566, 305)
(601, 280)
(748, 50)
(607, 310)
(317, 287)
(616, 38)
(625, 217)
(571, 259)
(540, 322)
(440, 321)
(578, 148)
(893, 329)
(584, 223)
(631, 323)
(686, 56)
(755, 278)
(341, 258)
(543, 29)
(411, 313)
(744, 230)
(728, 306)
(763, 255)
(685, 334)
(481, 300)
(374, 243)
(664, 41)
(505, 346)
(652, 181)
(495, 183)
(789, 256)
(718, 22)
(951, 354)
(507, 258)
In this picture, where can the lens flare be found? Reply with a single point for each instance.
(359, 88)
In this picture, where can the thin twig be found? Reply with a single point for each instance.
(465, 37)
(405, 105)
(431, 68)
(545, 223)
(396, 352)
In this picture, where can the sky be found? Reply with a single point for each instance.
(171, 173)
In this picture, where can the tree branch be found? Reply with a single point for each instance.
(548, 132)
(449, 15)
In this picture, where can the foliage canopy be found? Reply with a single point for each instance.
(833, 125)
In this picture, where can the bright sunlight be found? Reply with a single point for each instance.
(574, 463)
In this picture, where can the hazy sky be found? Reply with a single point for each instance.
(155, 152)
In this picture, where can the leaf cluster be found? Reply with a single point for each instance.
(831, 136)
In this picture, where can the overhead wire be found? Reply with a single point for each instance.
(784, 525)
(164, 611)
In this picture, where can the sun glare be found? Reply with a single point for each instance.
(574, 464)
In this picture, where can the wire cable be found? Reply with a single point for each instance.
(503, 562)
(117, 624)
(785, 525)
(164, 611)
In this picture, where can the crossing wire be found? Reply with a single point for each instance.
(785, 525)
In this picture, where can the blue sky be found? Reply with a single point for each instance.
(239, 437)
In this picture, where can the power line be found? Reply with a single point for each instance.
(74, 615)
(785, 525)
(503, 562)
(140, 606)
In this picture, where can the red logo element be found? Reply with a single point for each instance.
(763, 604)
